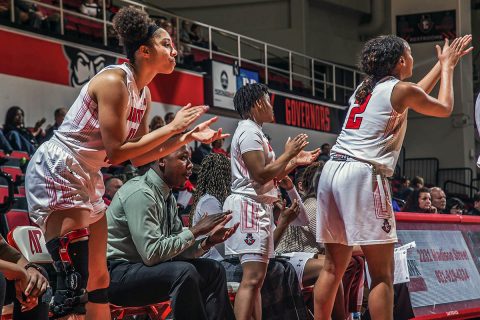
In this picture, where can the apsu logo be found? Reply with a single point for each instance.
(84, 65)
(386, 226)
(224, 80)
(426, 24)
(249, 240)
(34, 240)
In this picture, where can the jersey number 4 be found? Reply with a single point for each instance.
(354, 120)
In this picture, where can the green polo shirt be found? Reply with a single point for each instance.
(143, 224)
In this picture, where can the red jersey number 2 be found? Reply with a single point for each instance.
(354, 119)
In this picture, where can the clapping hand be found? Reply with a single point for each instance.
(204, 134)
(451, 53)
(305, 158)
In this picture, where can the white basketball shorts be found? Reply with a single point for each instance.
(255, 233)
(354, 205)
(55, 181)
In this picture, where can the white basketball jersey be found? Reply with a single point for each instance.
(80, 131)
(250, 137)
(373, 131)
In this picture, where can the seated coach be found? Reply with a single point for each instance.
(151, 259)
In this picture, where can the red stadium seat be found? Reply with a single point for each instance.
(19, 155)
(16, 218)
(15, 172)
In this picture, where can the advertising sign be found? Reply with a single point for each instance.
(246, 76)
(300, 112)
(224, 85)
(441, 268)
(427, 27)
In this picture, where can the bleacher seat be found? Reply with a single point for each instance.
(16, 218)
(19, 155)
(15, 172)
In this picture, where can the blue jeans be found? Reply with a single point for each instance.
(19, 142)
(4, 144)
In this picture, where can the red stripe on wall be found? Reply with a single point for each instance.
(178, 88)
(32, 58)
(37, 59)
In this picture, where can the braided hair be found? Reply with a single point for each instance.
(135, 28)
(246, 96)
(378, 59)
(214, 178)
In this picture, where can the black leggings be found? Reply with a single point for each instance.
(7, 296)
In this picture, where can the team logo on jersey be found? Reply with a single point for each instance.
(386, 226)
(84, 65)
(249, 240)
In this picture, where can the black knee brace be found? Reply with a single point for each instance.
(98, 296)
(71, 264)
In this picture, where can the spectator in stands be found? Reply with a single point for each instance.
(156, 122)
(167, 25)
(59, 116)
(404, 189)
(281, 297)
(184, 34)
(417, 182)
(90, 8)
(111, 187)
(23, 283)
(476, 205)
(29, 14)
(420, 201)
(194, 34)
(19, 137)
(4, 9)
(217, 147)
(455, 206)
(169, 116)
(149, 253)
(201, 152)
(325, 154)
(439, 199)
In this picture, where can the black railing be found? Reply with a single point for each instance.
(423, 167)
(451, 187)
(461, 176)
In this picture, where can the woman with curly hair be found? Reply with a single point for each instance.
(354, 206)
(107, 124)
(213, 187)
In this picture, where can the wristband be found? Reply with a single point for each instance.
(35, 266)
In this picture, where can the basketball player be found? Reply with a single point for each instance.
(354, 206)
(107, 124)
(254, 172)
